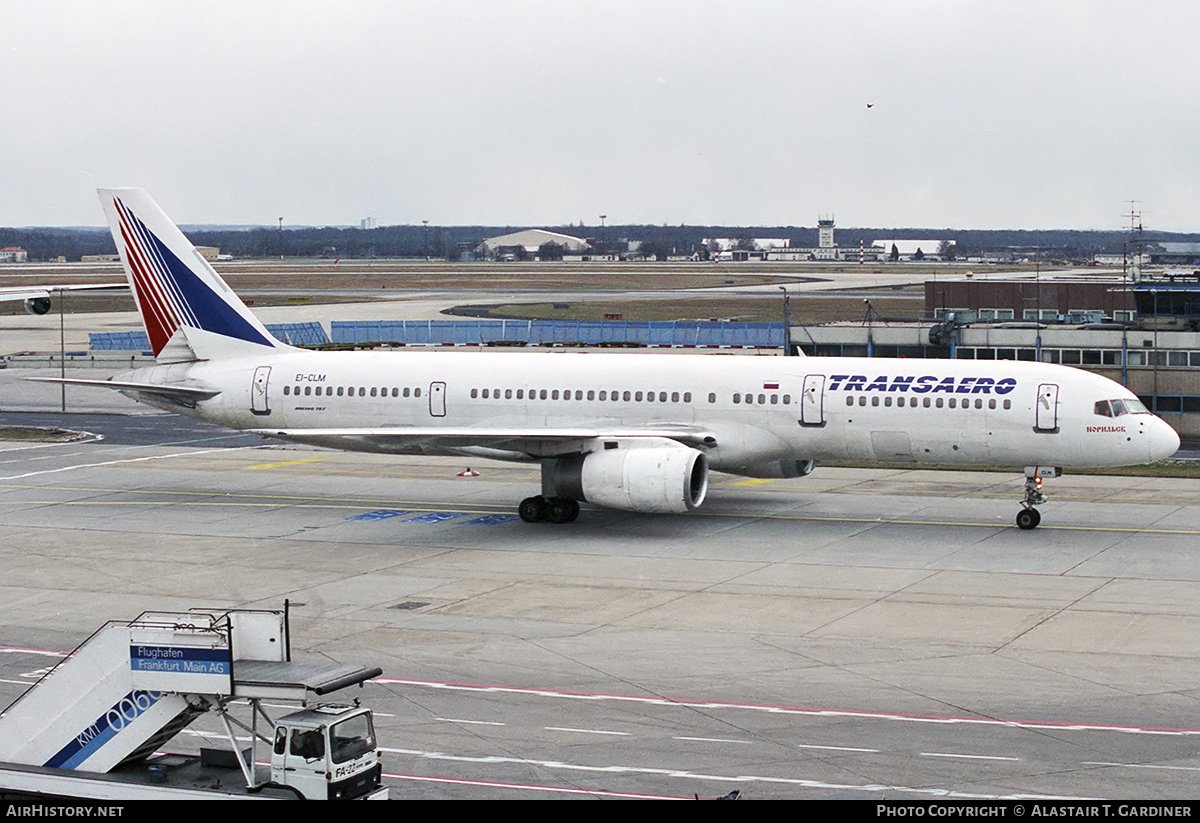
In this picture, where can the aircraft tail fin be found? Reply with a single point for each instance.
(187, 309)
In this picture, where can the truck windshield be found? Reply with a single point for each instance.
(351, 738)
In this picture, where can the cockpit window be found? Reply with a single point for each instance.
(1116, 408)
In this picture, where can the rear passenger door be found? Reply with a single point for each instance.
(437, 399)
(259, 400)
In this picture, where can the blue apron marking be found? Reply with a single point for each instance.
(435, 517)
(380, 514)
(491, 520)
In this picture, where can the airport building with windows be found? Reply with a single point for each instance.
(1145, 336)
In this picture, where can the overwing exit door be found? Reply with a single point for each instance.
(437, 399)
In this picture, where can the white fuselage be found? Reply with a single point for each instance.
(761, 410)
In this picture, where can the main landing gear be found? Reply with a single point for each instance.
(548, 509)
(1029, 517)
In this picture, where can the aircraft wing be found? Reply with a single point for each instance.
(37, 298)
(34, 292)
(183, 394)
(532, 441)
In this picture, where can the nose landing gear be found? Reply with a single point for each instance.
(1029, 517)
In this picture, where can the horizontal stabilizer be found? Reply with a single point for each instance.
(186, 395)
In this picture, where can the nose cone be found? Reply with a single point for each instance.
(1164, 440)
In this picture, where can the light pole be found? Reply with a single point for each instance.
(787, 323)
(62, 345)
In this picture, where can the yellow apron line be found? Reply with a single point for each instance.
(433, 508)
(333, 470)
(951, 523)
(388, 503)
(287, 463)
(423, 507)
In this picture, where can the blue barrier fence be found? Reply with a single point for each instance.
(299, 334)
(535, 332)
(295, 334)
(476, 332)
(119, 341)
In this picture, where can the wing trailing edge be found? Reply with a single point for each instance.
(533, 441)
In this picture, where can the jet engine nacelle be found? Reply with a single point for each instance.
(777, 469)
(632, 477)
(37, 305)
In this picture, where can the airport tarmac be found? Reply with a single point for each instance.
(854, 633)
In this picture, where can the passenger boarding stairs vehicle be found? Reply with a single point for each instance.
(91, 727)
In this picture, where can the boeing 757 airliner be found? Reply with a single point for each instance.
(637, 432)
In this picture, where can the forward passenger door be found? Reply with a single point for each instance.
(1046, 410)
(812, 401)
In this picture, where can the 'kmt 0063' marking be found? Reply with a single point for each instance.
(126, 710)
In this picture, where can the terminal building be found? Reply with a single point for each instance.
(1145, 336)
(1044, 299)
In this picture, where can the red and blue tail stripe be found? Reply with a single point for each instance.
(171, 293)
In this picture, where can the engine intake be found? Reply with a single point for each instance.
(638, 478)
(37, 305)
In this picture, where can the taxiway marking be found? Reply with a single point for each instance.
(685, 774)
(942, 720)
(117, 462)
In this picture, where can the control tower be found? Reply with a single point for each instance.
(825, 232)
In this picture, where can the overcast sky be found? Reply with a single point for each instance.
(930, 113)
